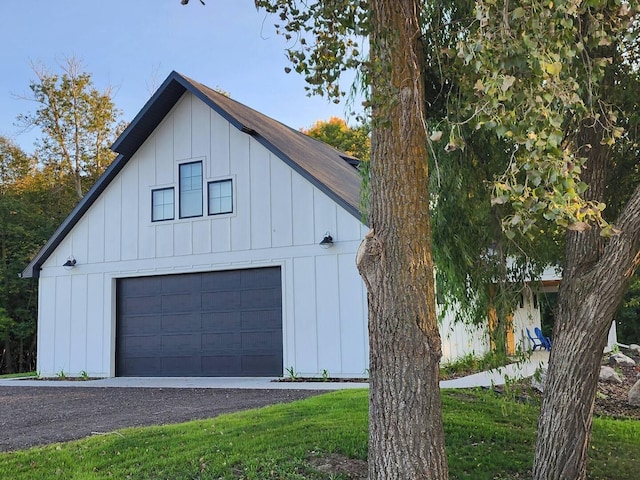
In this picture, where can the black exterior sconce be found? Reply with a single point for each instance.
(70, 263)
(327, 241)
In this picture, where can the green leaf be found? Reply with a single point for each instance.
(508, 82)
(518, 13)
(553, 68)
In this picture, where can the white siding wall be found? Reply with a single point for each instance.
(460, 339)
(279, 218)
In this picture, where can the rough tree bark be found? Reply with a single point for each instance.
(406, 439)
(595, 276)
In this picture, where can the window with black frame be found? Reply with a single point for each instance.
(162, 204)
(220, 197)
(190, 189)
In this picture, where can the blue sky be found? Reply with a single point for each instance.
(132, 45)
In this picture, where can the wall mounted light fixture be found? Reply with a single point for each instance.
(70, 263)
(327, 241)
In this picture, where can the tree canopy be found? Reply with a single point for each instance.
(537, 84)
(77, 125)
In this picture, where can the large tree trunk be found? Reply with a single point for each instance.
(406, 439)
(595, 276)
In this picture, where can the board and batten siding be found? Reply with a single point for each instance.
(278, 219)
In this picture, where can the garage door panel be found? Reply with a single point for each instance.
(221, 301)
(177, 365)
(222, 321)
(205, 324)
(258, 279)
(261, 319)
(261, 298)
(180, 302)
(221, 342)
(141, 345)
(171, 344)
(222, 365)
(180, 322)
(143, 286)
(140, 324)
(180, 283)
(144, 304)
(259, 341)
(143, 367)
(220, 281)
(260, 364)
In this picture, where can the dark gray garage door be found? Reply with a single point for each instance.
(202, 324)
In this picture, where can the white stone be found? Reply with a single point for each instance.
(622, 359)
(635, 348)
(634, 395)
(609, 375)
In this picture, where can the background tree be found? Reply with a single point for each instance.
(78, 124)
(352, 140)
(628, 317)
(548, 81)
(19, 235)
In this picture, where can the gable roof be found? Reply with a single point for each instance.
(324, 166)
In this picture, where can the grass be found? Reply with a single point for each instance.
(470, 363)
(19, 375)
(487, 438)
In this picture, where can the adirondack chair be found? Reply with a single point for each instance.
(546, 341)
(536, 342)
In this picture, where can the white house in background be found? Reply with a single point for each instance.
(198, 253)
(459, 339)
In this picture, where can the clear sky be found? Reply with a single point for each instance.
(132, 45)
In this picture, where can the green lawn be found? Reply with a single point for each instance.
(487, 438)
(19, 375)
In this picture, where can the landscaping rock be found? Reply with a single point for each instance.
(634, 395)
(635, 348)
(621, 359)
(609, 375)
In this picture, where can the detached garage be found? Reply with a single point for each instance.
(219, 242)
(226, 323)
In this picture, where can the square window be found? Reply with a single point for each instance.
(220, 197)
(162, 203)
(190, 189)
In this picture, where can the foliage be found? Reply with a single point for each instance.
(327, 38)
(508, 168)
(21, 217)
(6, 324)
(78, 124)
(628, 317)
(470, 364)
(354, 141)
(487, 438)
(534, 72)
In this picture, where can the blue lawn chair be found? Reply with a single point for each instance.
(536, 342)
(546, 341)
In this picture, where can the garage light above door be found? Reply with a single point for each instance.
(327, 241)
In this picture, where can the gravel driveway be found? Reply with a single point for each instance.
(36, 416)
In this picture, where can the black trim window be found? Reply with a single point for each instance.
(190, 189)
(162, 204)
(220, 197)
